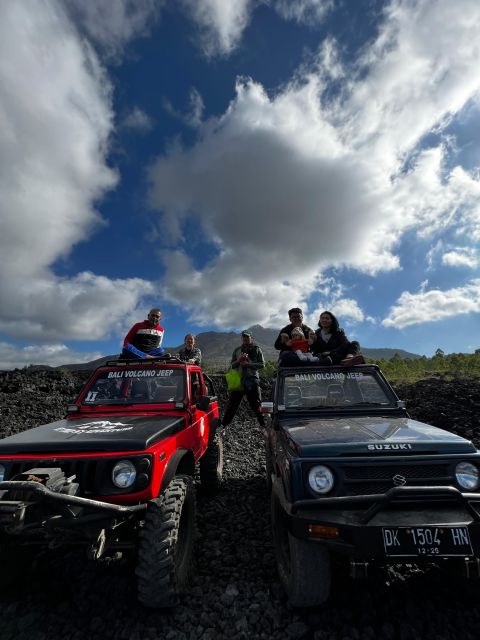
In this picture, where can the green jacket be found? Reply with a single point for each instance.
(256, 360)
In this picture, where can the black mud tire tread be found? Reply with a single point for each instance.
(211, 463)
(303, 565)
(165, 551)
(268, 469)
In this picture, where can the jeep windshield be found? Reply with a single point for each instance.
(334, 389)
(136, 386)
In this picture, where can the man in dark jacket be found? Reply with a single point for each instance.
(190, 353)
(296, 320)
(249, 358)
(144, 340)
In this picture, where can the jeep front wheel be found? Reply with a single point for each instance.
(211, 463)
(165, 551)
(303, 566)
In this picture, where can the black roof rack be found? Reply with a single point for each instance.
(165, 357)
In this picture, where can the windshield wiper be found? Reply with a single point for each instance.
(368, 404)
(96, 403)
(317, 406)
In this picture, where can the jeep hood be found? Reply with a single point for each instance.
(118, 433)
(369, 435)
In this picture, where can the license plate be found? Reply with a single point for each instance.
(427, 541)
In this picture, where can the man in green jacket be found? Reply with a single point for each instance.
(249, 358)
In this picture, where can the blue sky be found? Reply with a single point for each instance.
(226, 160)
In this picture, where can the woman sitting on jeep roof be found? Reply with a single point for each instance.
(331, 342)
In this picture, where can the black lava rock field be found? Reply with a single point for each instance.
(235, 593)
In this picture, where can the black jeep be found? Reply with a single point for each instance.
(116, 474)
(353, 478)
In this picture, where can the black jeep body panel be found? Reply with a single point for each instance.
(341, 435)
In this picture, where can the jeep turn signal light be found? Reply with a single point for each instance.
(321, 531)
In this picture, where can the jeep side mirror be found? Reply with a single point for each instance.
(401, 404)
(266, 407)
(204, 403)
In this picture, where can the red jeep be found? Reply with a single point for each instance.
(117, 472)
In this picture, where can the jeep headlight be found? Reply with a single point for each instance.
(320, 479)
(2, 473)
(466, 474)
(124, 474)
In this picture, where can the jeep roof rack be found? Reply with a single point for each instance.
(165, 357)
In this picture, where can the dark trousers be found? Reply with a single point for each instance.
(254, 397)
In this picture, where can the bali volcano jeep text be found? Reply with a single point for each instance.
(116, 474)
(352, 477)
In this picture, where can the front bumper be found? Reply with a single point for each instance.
(30, 508)
(355, 526)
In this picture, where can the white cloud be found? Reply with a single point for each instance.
(53, 355)
(112, 24)
(55, 122)
(137, 120)
(220, 23)
(303, 11)
(461, 257)
(433, 305)
(286, 185)
(84, 307)
(348, 309)
(193, 117)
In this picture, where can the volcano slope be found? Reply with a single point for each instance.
(235, 592)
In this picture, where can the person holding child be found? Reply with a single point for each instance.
(300, 346)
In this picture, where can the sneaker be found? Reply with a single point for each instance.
(349, 362)
(326, 361)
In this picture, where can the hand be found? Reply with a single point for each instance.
(284, 337)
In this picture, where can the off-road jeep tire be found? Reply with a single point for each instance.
(268, 468)
(303, 566)
(211, 463)
(165, 552)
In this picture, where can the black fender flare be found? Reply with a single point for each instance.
(182, 458)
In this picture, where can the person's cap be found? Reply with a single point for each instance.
(247, 333)
(295, 310)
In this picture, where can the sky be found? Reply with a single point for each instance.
(226, 160)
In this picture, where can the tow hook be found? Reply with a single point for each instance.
(96, 549)
(358, 570)
(472, 568)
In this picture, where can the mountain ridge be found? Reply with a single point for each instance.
(217, 348)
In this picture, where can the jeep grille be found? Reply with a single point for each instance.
(371, 479)
(85, 471)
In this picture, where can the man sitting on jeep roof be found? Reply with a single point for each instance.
(144, 340)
